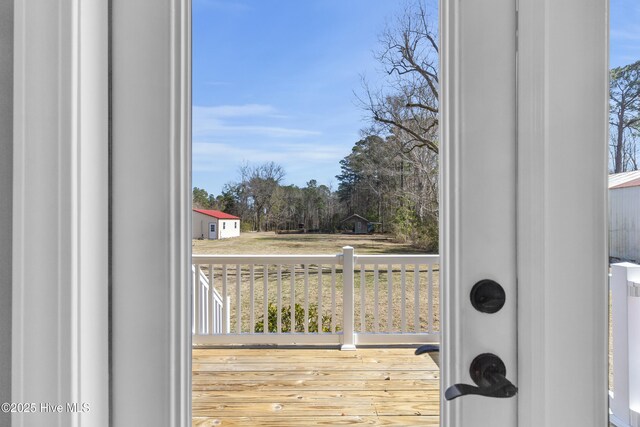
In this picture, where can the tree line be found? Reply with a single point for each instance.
(378, 181)
(624, 117)
(263, 203)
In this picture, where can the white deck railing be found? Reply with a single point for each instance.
(213, 318)
(344, 299)
(624, 398)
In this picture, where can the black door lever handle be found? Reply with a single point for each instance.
(502, 388)
(489, 373)
(427, 348)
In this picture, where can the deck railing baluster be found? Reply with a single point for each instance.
(199, 301)
(265, 298)
(320, 298)
(213, 315)
(279, 315)
(416, 298)
(306, 299)
(252, 298)
(363, 324)
(376, 299)
(333, 299)
(389, 298)
(238, 300)
(403, 291)
(225, 302)
(292, 307)
(430, 296)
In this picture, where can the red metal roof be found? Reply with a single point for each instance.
(624, 179)
(632, 183)
(216, 214)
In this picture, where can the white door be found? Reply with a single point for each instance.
(523, 217)
(212, 230)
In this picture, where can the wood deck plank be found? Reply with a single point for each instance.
(428, 421)
(308, 387)
(322, 375)
(321, 385)
(338, 365)
(288, 396)
(253, 409)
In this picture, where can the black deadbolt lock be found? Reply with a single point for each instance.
(487, 296)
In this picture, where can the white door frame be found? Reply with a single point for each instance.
(62, 307)
(562, 212)
(70, 298)
(151, 146)
(478, 199)
(561, 215)
(60, 204)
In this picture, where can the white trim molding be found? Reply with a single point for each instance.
(151, 174)
(60, 233)
(562, 212)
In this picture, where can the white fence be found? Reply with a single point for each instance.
(344, 299)
(624, 399)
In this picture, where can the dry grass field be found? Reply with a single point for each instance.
(285, 244)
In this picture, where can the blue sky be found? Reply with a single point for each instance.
(624, 32)
(273, 80)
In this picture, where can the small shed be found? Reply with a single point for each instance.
(624, 216)
(357, 224)
(212, 224)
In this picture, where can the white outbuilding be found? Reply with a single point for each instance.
(624, 216)
(212, 224)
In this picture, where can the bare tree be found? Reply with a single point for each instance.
(409, 102)
(260, 182)
(624, 116)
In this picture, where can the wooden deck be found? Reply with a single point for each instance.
(310, 387)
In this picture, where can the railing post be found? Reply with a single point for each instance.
(348, 334)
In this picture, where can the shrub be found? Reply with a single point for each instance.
(286, 319)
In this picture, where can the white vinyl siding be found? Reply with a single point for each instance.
(624, 223)
(228, 228)
(200, 226)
